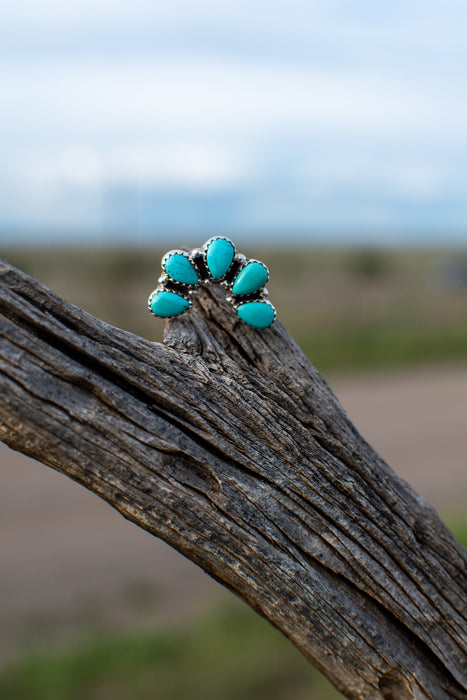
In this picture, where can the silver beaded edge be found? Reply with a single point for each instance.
(244, 264)
(204, 251)
(261, 300)
(160, 288)
(166, 276)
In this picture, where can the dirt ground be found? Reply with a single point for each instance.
(67, 557)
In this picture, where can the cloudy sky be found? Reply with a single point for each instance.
(138, 119)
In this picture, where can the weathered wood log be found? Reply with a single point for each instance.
(225, 442)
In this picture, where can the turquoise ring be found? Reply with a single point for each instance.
(217, 262)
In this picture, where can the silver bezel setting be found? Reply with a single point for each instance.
(160, 288)
(186, 255)
(245, 262)
(204, 251)
(260, 300)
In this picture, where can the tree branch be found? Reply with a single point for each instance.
(228, 444)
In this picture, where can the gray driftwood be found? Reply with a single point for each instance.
(226, 443)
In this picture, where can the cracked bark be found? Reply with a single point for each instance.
(227, 443)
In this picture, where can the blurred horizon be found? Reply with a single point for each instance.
(63, 240)
(317, 122)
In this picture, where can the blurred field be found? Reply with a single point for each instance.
(347, 309)
(123, 616)
(229, 655)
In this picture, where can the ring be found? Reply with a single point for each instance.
(217, 262)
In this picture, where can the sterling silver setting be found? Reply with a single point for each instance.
(259, 315)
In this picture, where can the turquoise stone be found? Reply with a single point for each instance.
(219, 256)
(258, 314)
(166, 304)
(250, 278)
(179, 268)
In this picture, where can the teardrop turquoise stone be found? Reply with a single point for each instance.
(251, 278)
(180, 269)
(258, 314)
(219, 256)
(166, 304)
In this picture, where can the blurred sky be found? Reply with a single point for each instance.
(324, 120)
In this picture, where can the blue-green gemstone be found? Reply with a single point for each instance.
(219, 256)
(179, 268)
(250, 278)
(258, 314)
(166, 304)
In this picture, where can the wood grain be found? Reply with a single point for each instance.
(225, 442)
